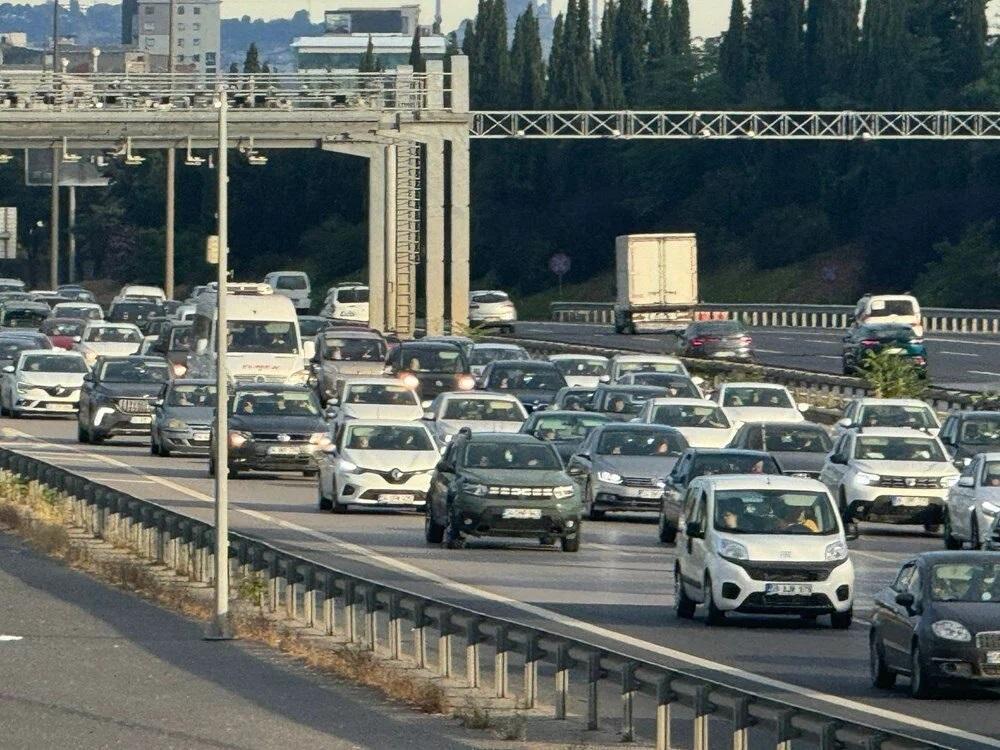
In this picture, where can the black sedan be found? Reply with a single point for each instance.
(430, 368)
(118, 397)
(939, 623)
(622, 403)
(565, 430)
(717, 339)
(274, 428)
(535, 384)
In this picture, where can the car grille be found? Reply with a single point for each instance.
(988, 640)
(259, 379)
(923, 483)
(135, 406)
(787, 572)
(640, 481)
(401, 477)
(497, 491)
(758, 600)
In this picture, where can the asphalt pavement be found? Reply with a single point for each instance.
(955, 361)
(617, 591)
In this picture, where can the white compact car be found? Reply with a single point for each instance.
(759, 402)
(890, 475)
(292, 284)
(888, 412)
(762, 545)
(702, 423)
(482, 354)
(901, 309)
(102, 339)
(347, 302)
(378, 464)
(585, 370)
(491, 308)
(79, 310)
(480, 412)
(43, 381)
(973, 504)
(623, 364)
(376, 399)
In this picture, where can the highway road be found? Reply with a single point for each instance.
(615, 592)
(962, 362)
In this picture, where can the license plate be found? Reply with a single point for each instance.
(650, 494)
(395, 499)
(522, 513)
(283, 450)
(203, 436)
(60, 407)
(993, 657)
(141, 420)
(788, 589)
(894, 350)
(910, 502)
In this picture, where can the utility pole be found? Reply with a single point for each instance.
(55, 37)
(168, 261)
(220, 628)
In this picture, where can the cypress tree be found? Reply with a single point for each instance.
(610, 93)
(887, 74)
(965, 42)
(680, 28)
(580, 81)
(630, 46)
(251, 63)
(469, 40)
(490, 64)
(416, 56)
(734, 61)
(774, 35)
(369, 60)
(555, 91)
(527, 66)
(659, 30)
(831, 47)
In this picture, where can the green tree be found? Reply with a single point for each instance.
(416, 56)
(965, 270)
(734, 59)
(831, 48)
(527, 66)
(251, 63)
(369, 60)
(234, 68)
(891, 376)
(490, 61)
(629, 44)
(610, 91)
(887, 73)
(774, 36)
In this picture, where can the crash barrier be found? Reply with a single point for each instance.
(400, 625)
(812, 387)
(936, 319)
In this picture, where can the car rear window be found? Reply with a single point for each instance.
(352, 296)
(882, 307)
(291, 283)
(492, 297)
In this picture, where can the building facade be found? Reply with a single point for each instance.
(197, 33)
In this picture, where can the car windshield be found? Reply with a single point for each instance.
(53, 363)
(383, 395)
(966, 582)
(354, 350)
(778, 439)
(895, 415)
(72, 311)
(897, 449)
(771, 398)
(447, 359)
(126, 312)
(887, 333)
(482, 410)
(353, 295)
(774, 512)
(262, 337)
(581, 367)
(112, 335)
(577, 399)
(297, 403)
(676, 386)
(387, 438)
(981, 431)
(490, 298)
(691, 415)
(483, 355)
(624, 402)
(732, 463)
(566, 426)
(883, 307)
(309, 327)
(24, 318)
(10, 348)
(293, 282)
(991, 474)
(134, 372)
(651, 442)
(62, 327)
(180, 339)
(626, 367)
(192, 395)
(527, 379)
(512, 456)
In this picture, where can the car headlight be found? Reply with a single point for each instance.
(990, 509)
(563, 492)
(321, 439)
(949, 481)
(865, 478)
(478, 490)
(835, 551)
(299, 377)
(949, 630)
(238, 439)
(448, 438)
(410, 380)
(347, 466)
(609, 476)
(733, 550)
(466, 383)
(179, 370)
(176, 424)
(24, 387)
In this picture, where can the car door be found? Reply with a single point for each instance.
(691, 548)
(949, 434)
(580, 463)
(900, 624)
(86, 392)
(833, 471)
(962, 500)
(442, 481)
(673, 496)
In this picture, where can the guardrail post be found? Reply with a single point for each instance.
(444, 643)
(501, 680)
(420, 624)
(665, 696)
(291, 590)
(742, 721)
(273, 583)
(371, 621)
(786, 732)
(593, 678)
(702, 709)
(532, 654)
(349, 612)
(629, 686)
(473, 637)
(309, 596)
(396, 626)
(563, 664)
(828, 736)
(329, 604)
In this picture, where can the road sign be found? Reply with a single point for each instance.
(8, 233)
(212, 249)
(560, 264)
(84, 173)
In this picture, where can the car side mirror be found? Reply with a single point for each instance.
(905, 599)
(698, 380)
(575, 470)
(694, 530)
(331, 411)
(851, 532)
(845, 423)
(77, 339)
(836, 458)
(429, 416)
(9, 369)
(605, 378)
(387, 370)
(158, 403)
(88, 378)
(309, 349)
(966, 482)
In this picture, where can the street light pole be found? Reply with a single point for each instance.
(168, 261)
(55, 36)
(220, 628)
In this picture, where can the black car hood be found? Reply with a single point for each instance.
(793, 461)
(533, 398)
(131, 390)
(276, 424)
(978, 617)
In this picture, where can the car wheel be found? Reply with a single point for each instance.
(592, 513)
(82, 436)
(932, 528)
(232, 473)
(211, 466)
(715, 616)
(974, 539)
(546, 541)
(164, 452)
(684, 606)
(950, 542)
(13, 413)
(453, 538)
(882, 677)
(570, 543)
(921, 685)
(335, 505)
(94, 438)
(433, 531)
(154, 449)
(667, 531)
(842, 620)
(324, 501)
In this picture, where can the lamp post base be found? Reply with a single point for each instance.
(219, 629)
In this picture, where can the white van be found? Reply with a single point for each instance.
(292, 284)
(889, 308)
(347, 302)
(764, 545)
(264, 341)
(146, 292)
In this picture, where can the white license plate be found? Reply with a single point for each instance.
(894, 350)
(141, 420)
(650, 494)
(993, 657)
(203, 436)
(788, 589)
(524, 513)
(283, 450)
(390, 499)
(59, 407)
(910, 502)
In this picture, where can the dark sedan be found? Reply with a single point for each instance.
(134, 311)
(535, 384)
(623, 403)
(939, 623)
(675, 384)
(182, 421)
(800, 448)
(12, 343)
(865, 340)
(565, 430)
(966, 434)
(118, 396)
(573, 398)
(274, 428)
(717, 339)
(430, 368)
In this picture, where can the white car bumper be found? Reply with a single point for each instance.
(902, 505)
(377, 490)
(782, 587)
(40, 402)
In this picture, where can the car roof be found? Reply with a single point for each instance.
(487, 291)
(77, 303)
(937, 557)
(992, 456)
(522, 363)
(788, 425)
(109, 324)
(565, 357)
(743, 384)
(495, 345)
(908, 432)
(500, 437)
(386, 423)
(728, 452)
(75, 321)
(272, 387)
(646, 358)
(53, 352)
(866, 401)
(627, 388)
(967, 414)
(761, 482)
(481, 395)
(571, 413)
(666, 401)
(348, 332)
(428, 344)
(630, 426)
(132, 358)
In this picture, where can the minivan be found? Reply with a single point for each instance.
(889, 308)
(292, 284)
(348, 302)
(762, 545)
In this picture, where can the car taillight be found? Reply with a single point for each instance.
(746, 340)
(869, 342)
(697, 342)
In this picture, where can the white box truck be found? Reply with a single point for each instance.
(657, 280)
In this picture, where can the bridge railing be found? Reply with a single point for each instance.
(780, 315)
(386, 91)
(405, 626)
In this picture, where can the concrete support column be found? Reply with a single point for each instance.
(460, 232)
(168, 267)
(389, 246)
(376, 239)
(434, 237)
(54, 217)
(71, 236)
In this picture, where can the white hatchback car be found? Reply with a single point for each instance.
(759, 402)
(378, 464)
(292, 284)
(762, 544)
(100, 339)
(586, 370)
(491, 308)
(974, 503)
(376, 399)
(43, 381)
(623, 364)
(888, 412)
(480, 412)
(702, 423)
(79, 310)
(347, 302)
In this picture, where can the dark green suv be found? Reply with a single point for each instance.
(502, 484)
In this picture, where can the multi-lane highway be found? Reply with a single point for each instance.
(616, 591)
(956, 361)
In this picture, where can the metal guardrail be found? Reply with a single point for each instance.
(387, 91)
(371, 615)
(936, 319)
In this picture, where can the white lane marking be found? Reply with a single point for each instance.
(981, 372)
(960, 354)
(9, 638)
(816, 341)
(120, 479)
(366, 554)
(882, 558)
(967, 342)
(767, 351)
(824, 356)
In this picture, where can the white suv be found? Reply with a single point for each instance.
(762, 544)
(759, 402)
(888, 412)
(491, 308)
(347, 302)
(292, 284)
(890, 475)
